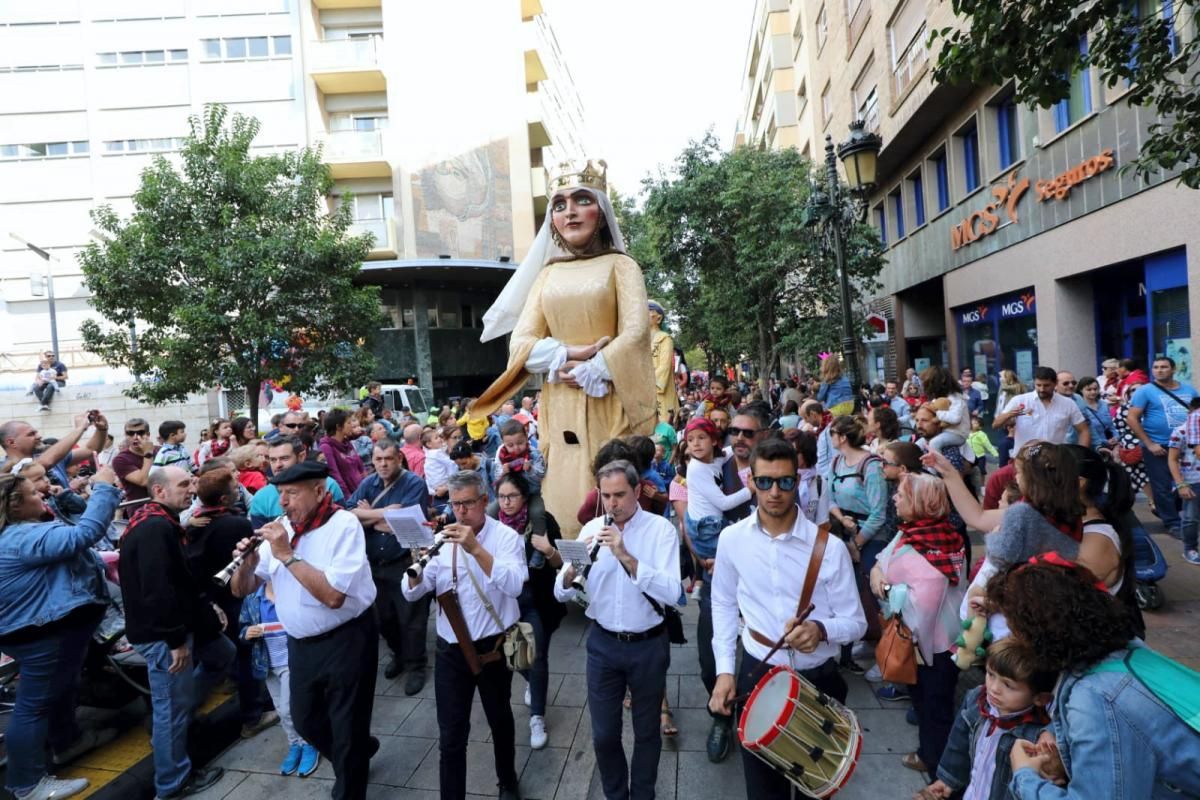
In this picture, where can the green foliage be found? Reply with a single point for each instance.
(725, 245)
(1038, 42)
(234, 271)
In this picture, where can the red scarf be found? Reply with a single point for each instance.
(1073, 530)
(1053, 558)
(1032, 715)
(325, 510)
(156, 510)
(219, 447)
(938, 542)
(517, 521)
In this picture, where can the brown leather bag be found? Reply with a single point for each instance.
(896, 653)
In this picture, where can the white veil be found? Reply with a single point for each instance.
(502, 317)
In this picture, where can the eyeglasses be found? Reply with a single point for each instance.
(292, 425)
(786, 483)
(1070, 383)
(749, 433)
(506, 498)
(465, 504)
(145, 432)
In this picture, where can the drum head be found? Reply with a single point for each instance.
(769, 708)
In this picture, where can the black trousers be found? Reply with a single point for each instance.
(402, 622)
(764, 782)
(704, 637)
(933, 699)
(454, 688)
(332, 695)
(612, 667)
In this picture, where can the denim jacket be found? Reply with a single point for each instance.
(954, 769)
(1117, 742)
(48, 569)
(251, 614)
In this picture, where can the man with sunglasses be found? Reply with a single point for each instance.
(134, 462)
(748, 428)
(283, 454)
(761, 567)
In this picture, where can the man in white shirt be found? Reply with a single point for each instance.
(438, 467)
(316, 561)
(1043, 414)
(762, 563)
(628, 647)
(482, 558)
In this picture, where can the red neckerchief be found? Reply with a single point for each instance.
(218, 447)
(1032, 715)
(153, 510)
(1073, 530)
(938, 542)
(325, 510)
(1052, 557)
(517, 521)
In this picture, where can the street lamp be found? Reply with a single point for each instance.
(49, 288)
(859, 155)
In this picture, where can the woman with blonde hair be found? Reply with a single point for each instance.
(835, 391)
(1010, 386)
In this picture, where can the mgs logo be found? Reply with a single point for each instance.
(978, 314)
(1028, 299)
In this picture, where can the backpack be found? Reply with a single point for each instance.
(860, 473)
(1176, 686)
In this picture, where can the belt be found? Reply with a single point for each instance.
(635, 636)
(329, 634)
(488, 648)
(830, 665)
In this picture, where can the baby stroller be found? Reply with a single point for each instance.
(1150, 567)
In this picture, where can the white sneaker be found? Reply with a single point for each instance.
(874, 675)
(528, 701)
(861, 651)
(537, 732)
(52, 788)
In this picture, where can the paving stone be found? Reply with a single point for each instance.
(885, 731)
(390, 713)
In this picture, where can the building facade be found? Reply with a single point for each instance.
(438, 122)
(1014, 235)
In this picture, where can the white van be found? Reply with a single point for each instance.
(397, 396)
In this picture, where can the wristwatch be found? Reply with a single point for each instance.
(292, 560)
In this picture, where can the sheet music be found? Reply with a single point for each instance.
(408, 526)
(575, 551)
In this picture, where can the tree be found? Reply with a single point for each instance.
(234, 272)
(725, 241)
(1043, 43)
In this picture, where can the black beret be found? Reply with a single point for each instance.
(304, 471)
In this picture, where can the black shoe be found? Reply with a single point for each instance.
(719, 741)
(510, 793)
(197, 782)
(393, 669)
(415, 681)
(372, 747)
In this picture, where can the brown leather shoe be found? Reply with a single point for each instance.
(914, 762)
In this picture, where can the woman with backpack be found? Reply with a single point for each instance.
(1119, 711)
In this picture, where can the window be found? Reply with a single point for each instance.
(941, 174)
(826, 110)
(897, 203)
(43, 150)
(162, 144)
(801, 98)
(1150, 12)
(133, 58)
(283, 45)
(906, 45)
(1008, 137)
(968, 139)
(258, 47)
(822, 28)
(916, 189)
(179, 55)
(881, 223)
(235, 48)
(798, 32)
(212, 48)
(867, 108)
(1078, 104)
(247, 47)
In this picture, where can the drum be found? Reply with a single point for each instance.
(812, 739)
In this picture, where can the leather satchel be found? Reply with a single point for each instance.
(896, 653)
(517, 642)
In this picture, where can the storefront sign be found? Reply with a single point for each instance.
(986, 221)
(1061, 186)
(1019, 306)
(975, 315)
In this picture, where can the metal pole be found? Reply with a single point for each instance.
(849, 341)
(49, 289)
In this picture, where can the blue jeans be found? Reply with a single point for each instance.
(538, 675)
(45, 705)
(173, 699)
(1191, 520)
(1162, 486)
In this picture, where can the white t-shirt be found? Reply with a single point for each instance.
(1046, 424)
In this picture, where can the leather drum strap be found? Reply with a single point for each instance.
(448, 601)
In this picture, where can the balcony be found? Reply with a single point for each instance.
(356, 154)
(344, 66)
(909, 65)
(384, 233)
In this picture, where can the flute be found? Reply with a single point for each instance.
(223, 577)
(579, 583)
(418, 567)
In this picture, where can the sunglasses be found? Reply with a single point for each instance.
(292, 425)
(1070, 383)
(764, 483)
(145, 432)
(749, 433)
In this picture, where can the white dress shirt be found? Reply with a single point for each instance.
(438, 469)
(615, 600)
(1046, 424)
(762, 576)
(503, 586)
(338, 549)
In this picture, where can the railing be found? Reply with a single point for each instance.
(354, 145)
(347, 53)
(381, 229)
(909, 63)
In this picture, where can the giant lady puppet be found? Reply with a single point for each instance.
(576, 308)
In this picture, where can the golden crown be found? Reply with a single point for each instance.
(588, 176)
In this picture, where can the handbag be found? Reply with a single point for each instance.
(517, 642)
(896, 653)
(1130, 455)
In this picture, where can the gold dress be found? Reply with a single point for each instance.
(662, 350)
(577, 301)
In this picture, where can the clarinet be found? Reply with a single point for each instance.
(223, 577)
(418, 567)
(580, 581)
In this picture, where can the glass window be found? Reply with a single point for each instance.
(257, 47)
(8, 151)
(898, 212)
(283, 45)
(132, 57)
(970, 153)
(822, 28)
(179, 55)
(57, 149)
(212, 48)
(114, 147)
(408, 317)
(468, 320)
(1172, 328)
(431, 315)
(881, 223)
(826, 109)
(1008, 138)
(235, 48)
(448, 316)
(918, 195)
(106, 58)
(1078, 104)
(155, 56)
(942, 172)
(38, 149)
(79, 147)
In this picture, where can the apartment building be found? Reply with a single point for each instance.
(437, 121)
(1014, 238)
